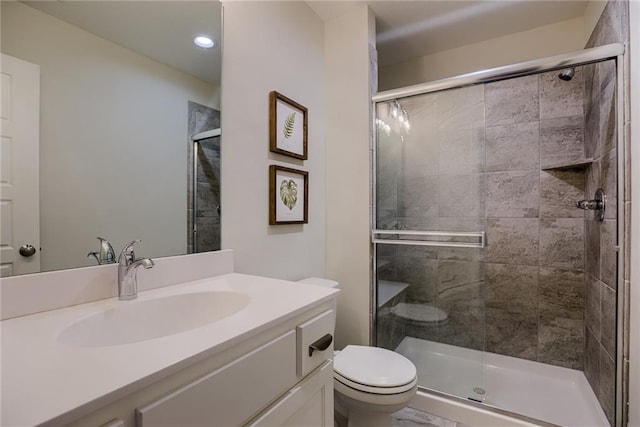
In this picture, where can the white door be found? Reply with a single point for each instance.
(19, 167)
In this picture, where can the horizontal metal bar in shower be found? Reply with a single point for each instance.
(206, 134)
(480, 236)
(586, 56)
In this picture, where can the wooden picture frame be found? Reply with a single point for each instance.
(287, 126)
(288, 195)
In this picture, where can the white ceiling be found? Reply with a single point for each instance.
(161, 30)
(410, 29)
(164, 30)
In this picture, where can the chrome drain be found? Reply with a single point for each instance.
(479, 390)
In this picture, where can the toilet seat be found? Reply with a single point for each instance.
(423, 313)
(374, 390)
(374, 370)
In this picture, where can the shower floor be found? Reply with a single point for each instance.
(548, 393)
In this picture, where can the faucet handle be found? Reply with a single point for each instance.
(128, 253)
(95, 255)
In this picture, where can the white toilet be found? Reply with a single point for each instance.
(420, 314)
(370, 383)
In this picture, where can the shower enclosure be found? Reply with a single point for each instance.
(203, 183)
(487, 274)
(205, 209)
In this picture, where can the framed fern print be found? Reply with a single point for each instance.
(287, 126)
(288, 196)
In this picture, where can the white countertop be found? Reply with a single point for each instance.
(43, 379)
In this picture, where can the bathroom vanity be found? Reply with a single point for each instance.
(165, 360)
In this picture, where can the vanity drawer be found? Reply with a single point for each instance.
(308, 404)
(316, 332)
(230, 395)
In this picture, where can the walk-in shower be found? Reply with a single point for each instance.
(203, 149)
(487, 274)
(205, 191)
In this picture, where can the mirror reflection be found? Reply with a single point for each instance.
(104, 105)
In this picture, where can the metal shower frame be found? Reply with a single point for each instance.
(194, 183)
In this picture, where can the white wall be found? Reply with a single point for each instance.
(113, 137)
(634, 356)
(548, 40)
(347, 86)
(591, 16)
(270, 46)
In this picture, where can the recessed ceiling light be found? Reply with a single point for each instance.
(204, 42)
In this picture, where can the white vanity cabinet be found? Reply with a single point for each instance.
(272, 379)
(231, 394)
(309, 404)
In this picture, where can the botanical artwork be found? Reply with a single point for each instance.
(288, 198)
(289, 193)
(288, 127)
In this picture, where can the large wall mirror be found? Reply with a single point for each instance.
(101, 104)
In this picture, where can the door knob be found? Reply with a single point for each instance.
(27, 250)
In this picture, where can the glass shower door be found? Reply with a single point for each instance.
(429, 236)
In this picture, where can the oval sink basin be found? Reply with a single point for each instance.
(134, 321)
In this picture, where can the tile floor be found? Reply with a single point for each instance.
(409, 417)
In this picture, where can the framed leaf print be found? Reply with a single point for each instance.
(288, 196)
(287, 126)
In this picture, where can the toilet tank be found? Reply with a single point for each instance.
(319, 281)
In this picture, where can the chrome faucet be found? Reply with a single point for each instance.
(127, 270)
(106, 255)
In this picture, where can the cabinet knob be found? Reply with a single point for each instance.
(321, 344)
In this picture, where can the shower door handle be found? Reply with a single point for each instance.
(447, 239)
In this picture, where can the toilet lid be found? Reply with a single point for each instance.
(373, 366)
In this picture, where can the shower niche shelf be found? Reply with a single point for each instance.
(569, 164)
